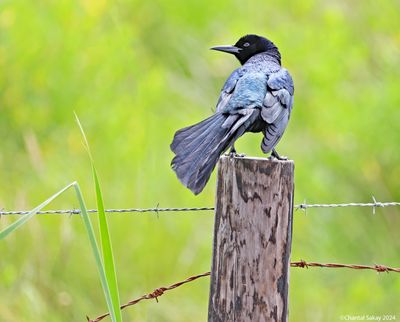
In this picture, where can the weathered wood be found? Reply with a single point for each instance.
(252, 241)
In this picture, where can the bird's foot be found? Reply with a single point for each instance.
(233, 154)
(275, 155)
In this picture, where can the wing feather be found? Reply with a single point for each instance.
(276, 109)
(228, 89)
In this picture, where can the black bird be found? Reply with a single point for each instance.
(257, 97)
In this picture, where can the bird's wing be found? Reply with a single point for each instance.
(277, 105)
(228, 89)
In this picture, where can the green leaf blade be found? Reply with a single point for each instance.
(21, 221)
(108, 265)
(95, 250)
(108, 255)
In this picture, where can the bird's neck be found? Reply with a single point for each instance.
(275, 54)
(268, 56)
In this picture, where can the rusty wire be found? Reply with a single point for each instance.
(378, 268)
(153, 295)
(302, 264)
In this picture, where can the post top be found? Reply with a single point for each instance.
(273, 160)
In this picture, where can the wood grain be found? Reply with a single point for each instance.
(252, 240)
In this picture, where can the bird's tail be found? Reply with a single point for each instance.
(198, 147)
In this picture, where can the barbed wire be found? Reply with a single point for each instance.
(304, 206)
(301, 264)
(376, 267)
(375, 204)
(153, 295)
(124, 210)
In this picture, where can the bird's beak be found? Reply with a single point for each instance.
(227, 49)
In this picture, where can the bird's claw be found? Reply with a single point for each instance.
(233, 154)
(282, 158)
(275, 155)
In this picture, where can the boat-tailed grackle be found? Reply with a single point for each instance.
(257, 97)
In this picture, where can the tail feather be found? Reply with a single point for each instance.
(189, 140)
(190, 155)
(185, 137)
(207, 166)
(192, 144)
(198, 147)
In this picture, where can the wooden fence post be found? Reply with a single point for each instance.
(252, 240)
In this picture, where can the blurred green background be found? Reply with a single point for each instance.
(135, 72)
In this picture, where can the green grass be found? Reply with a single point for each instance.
(107, 273)
(24, 218)
(105, 263)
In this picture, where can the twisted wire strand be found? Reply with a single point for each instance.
(301, 264)
(124, 210)
(303, 206)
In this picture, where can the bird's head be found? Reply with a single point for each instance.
(250, 45)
